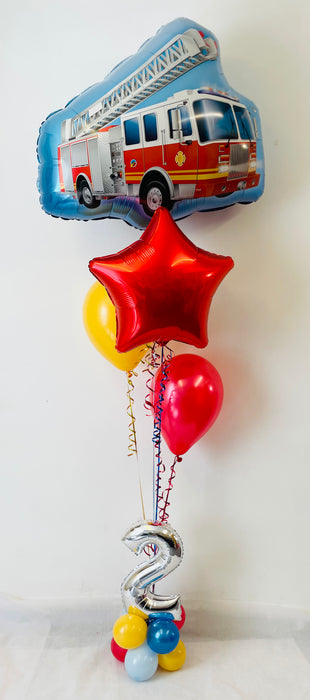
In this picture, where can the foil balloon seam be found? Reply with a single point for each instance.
(132, 438)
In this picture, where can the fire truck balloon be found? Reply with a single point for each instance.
(170, 132)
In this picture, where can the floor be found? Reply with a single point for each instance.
(61, 652)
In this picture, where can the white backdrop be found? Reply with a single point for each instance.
(67, 489)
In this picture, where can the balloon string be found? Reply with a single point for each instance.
(163, 510)
(132, 440)
(160, 467)
(152, 360)
(141, 494)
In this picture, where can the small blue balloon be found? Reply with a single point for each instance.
(161, 615)
(162, 636)
(141, 663)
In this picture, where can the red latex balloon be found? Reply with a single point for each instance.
(180, 623)
(192, 400)
(117, 651)
(161, 286)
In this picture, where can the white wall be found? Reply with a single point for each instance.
(67, 488)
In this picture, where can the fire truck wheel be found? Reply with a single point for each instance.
(155, 194)
(85, 195)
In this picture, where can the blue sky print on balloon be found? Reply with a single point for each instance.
(164, 128)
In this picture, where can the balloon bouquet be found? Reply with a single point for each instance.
(163, 132)
(161, 289)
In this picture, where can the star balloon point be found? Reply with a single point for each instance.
(161, 286)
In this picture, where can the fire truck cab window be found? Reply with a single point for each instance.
(244, 123)
(185, 121)
(132, 131)
(215, 120)
(150, 127)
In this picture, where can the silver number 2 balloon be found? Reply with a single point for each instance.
(136, 586)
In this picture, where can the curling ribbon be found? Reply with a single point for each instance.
(163, 510)
(132, 440)
(160, 467)
(152, 360)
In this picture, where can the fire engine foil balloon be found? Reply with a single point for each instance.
(162, 286)
(164, 128)
(136, 588)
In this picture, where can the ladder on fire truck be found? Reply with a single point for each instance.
(178, 56)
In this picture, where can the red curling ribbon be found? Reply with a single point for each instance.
(153, 362)
(163, 510)
(157, 430)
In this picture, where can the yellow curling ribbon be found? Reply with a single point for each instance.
(132, 444)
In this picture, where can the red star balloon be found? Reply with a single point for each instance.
(161, 286)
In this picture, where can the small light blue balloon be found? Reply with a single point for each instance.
(141, 663)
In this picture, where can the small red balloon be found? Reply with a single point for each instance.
(117, 651)
(180, 623)
(193, 397)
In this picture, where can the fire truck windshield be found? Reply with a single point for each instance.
(215, 120)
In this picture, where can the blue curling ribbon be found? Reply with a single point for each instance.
(160, 467)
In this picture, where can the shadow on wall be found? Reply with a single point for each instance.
(276, 80)
(244, 403)
(199, 225)
(255, 323)
(221, 557)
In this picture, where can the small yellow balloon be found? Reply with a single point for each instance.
(135, 611)
(100, 324)
(130, 631)
(175, 659)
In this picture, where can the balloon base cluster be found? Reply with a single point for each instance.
(145, 642)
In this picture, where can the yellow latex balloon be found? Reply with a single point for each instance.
(130, 631)
(135, 611)
(175, 659)
(100, 324)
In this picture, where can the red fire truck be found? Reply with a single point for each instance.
(197, 143)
